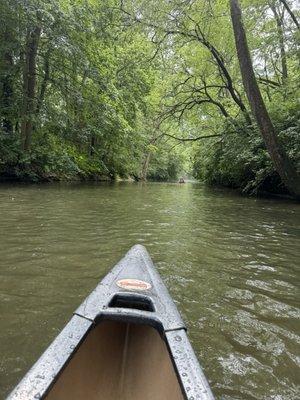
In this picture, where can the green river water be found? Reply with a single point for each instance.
(231, 264)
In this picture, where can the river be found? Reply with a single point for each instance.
(230, 262)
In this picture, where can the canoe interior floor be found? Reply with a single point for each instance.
(119, 361)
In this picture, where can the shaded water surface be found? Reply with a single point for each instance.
(231, 264)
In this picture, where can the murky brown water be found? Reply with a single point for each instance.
(231, 263)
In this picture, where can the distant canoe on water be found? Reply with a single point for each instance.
(126, 341)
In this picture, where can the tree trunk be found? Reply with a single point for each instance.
(279, 157)
(92, 145)
(145, 167)
(45, 81)
(29, 87)
(279, 24)
(7, 87)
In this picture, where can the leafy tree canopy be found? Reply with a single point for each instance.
(147, 89)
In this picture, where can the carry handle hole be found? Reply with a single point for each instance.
(132, 301)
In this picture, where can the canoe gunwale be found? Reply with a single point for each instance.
(44, 373)
(98, 307)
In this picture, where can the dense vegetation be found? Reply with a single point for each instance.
(151, 90)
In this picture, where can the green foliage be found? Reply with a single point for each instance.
(115, 86)
(239, 159)
(204, 93)
(90, 91)
(165, 165)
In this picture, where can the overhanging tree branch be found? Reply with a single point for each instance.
(198, 35)
(191, 139)
(267, 81)
(292, 15)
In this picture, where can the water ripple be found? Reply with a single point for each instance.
(231, 264)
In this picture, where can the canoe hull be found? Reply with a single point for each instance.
(126, 340)
(133, 353)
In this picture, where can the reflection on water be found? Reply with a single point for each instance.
(230, 263)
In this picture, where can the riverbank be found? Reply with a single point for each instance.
(64, 167)
(77, 180)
